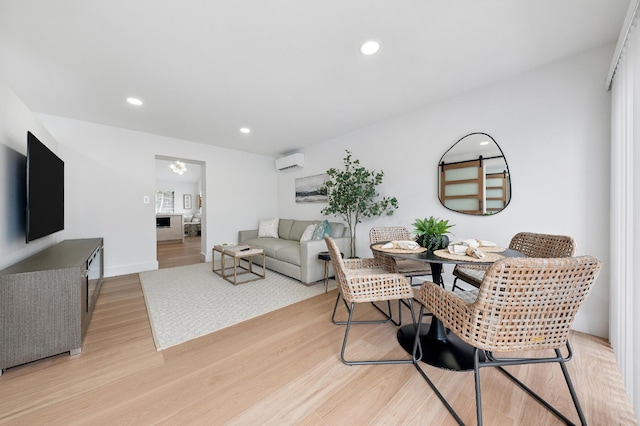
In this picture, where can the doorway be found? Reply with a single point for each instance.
(180, 197)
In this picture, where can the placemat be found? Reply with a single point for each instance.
(491, 249)
(488, 257)
(397, 250)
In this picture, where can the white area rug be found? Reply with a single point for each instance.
(190, 301)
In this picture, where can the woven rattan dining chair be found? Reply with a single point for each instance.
(527, 243)
(365, 266)
(408, 268)
(523, 304)
(362, 281)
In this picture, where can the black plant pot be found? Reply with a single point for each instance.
(433, 242)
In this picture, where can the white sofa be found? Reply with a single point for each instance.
(291, 257)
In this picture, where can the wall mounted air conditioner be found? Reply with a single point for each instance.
(289, 161)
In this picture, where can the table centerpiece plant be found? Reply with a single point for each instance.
(432, 233)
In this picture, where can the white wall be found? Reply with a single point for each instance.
(112, 169)
(553, 125)
(15, 121)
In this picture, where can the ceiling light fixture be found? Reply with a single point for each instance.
(370, 47)
(134, 101)
(245, 130)
(484, 143)
(178, 167)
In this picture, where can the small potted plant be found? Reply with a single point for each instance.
(431, 233)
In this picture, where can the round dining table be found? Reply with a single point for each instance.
(440, 347)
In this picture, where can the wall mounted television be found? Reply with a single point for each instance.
(45, 190)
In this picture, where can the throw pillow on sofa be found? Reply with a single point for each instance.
(268, 228)
(308, 233)
(322, 229)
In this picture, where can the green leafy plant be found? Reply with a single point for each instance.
(352, 195)
(431, 233)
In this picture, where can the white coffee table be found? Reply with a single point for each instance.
(238, 253)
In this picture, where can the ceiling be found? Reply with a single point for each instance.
(290, 70)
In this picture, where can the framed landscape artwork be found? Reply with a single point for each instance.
(311, 189)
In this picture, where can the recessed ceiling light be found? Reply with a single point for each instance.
(370, 47)
(134, 101)
(245, 130)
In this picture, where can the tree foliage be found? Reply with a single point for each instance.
(352, 195)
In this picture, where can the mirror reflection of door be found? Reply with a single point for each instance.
(474, 176)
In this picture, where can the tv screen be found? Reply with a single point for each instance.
(45, 190)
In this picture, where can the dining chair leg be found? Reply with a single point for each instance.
(454, 286)
(416, 362)
(559, 359)
(368, 362)
(388, 316)
(417, 346)
(335, 308)
(572, 390)
(405, 303)
(476, 376)
(416, 340)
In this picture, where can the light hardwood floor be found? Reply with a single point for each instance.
(281, 368)
(179, 254)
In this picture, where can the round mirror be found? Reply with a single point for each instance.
(474, 176)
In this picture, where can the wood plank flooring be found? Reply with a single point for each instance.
(179, 254)
(281, 368)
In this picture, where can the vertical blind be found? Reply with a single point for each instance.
(164, 201)
(624, 81)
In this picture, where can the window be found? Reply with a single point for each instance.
(164, 201)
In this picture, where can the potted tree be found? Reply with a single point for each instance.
(352, 195)
(431, 233)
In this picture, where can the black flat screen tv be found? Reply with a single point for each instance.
(45, 190)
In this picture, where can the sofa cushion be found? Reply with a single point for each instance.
(284, 228)
(271, 245)
(308, 233)
(322, 229)
(289, 254)
(298, 229)
(268, 228)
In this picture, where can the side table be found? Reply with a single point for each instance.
(326, 258)
(237, 253)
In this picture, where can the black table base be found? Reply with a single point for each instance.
(440, 347)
